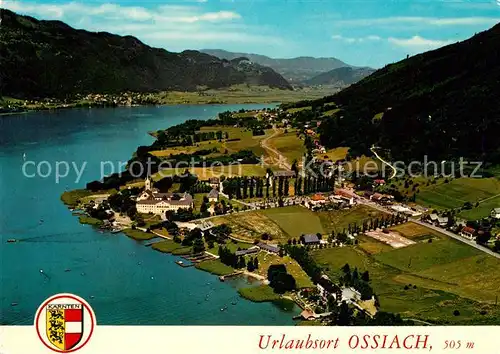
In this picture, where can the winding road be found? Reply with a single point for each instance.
(394, 170)
(280, 160)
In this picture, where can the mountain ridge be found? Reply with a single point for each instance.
(41, 58)
(441, 104)
(296, 70)
(340, 77)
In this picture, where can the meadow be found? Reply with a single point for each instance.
(339, 221)
(427, 281)
(289, 145)
(485, 191)
(281, 224)
(241, 94)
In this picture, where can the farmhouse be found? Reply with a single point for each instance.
(468, 232)
(317, 199)
(311, 239)
(214, 182)
(269, 247)
(433, 218)
(495, 213)
(442, 221)
(213, 196)
(152, 201)
(380, 198)
(251, 250)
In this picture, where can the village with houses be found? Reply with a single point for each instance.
(299, 218)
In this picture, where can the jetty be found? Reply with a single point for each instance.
(235, 274)
(184, 265)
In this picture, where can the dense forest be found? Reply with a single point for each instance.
(52, 59)
(442, 103)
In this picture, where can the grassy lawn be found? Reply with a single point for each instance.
(363, 163)
(89, 220)
(242, 94)
(150, 219)
(417, 232)
(295, 220)
(295, 110)
(232, 246)
(442, 276)
(168, 246)
(293, 268)
(289, 145)
(203, 145)
(215, 267)
(458, 191)
(73, 198)
(339, 220)
(246, 139)
(425, 255)
(163, 232)
(281, 223)
(138, 234)
(336, 154)
(331, 112)
(251, 225)
(259, 293)
(372, 246)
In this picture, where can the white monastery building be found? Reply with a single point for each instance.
(152, 201)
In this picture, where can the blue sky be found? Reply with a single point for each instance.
(359, 32)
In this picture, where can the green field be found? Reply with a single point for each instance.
(288, 144)
(440, 277)
(215, 267)
(266, 260)
(281, 224)
(454, 194)
(246, 139)
(295, 220)
(73, 198)
(339, 220)
(89, 220)
(138, 234)
(259, 293)
(241, 94)
(169, 246)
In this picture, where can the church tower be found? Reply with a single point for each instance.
(147, 184)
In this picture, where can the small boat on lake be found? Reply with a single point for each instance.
(11, 240)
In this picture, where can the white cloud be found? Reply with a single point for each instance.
(415, 43)
(418, 43)
(356, 39)
(174, 13)
(427, 21)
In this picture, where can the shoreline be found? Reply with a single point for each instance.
(257, 293)
(97, 106)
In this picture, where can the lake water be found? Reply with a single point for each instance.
(124, 281)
